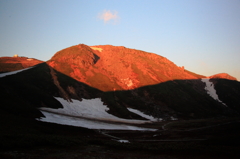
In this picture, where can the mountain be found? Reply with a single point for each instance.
(8, 64)
(223, 76)
(110, 68)
(128, 84)
(47, 107)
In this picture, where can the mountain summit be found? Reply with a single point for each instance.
(109, 68)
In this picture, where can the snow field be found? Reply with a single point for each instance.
(90, 124)
(89, 113)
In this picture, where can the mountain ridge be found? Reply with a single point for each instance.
(16, 63)
(8, 64)
(223, 76)
(123, 78)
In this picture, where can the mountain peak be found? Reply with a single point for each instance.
(109, 68)
(224, 76)
(75, 56)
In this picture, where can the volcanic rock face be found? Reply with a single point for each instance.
(110, 68)
(8, 64)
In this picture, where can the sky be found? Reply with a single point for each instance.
(201, 35)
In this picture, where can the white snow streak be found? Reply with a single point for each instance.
(123, 141)
(172, 118)
(88, 113)
(211, 91)
(151, 118)
(79, 122)
(13, 72)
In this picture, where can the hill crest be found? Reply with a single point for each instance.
(8, 64)
(109, 68)
(223, 76)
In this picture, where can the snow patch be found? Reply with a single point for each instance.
(172, 118)
(13, 72)
(123, 141)
(211, 91)
(90, 124)
(151, 118)
(89, 113)
(97, 48)
(127, 81)
(88, 108)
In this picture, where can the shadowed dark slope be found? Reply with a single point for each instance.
(179, 98)
(229, 92)
(24, 92)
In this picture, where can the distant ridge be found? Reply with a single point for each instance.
(8, 64)
(224, 76)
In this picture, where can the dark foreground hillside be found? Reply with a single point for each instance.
(209, 138)
(22, 136)
(23, 93)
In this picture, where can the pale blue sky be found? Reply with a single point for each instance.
(202, 35)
